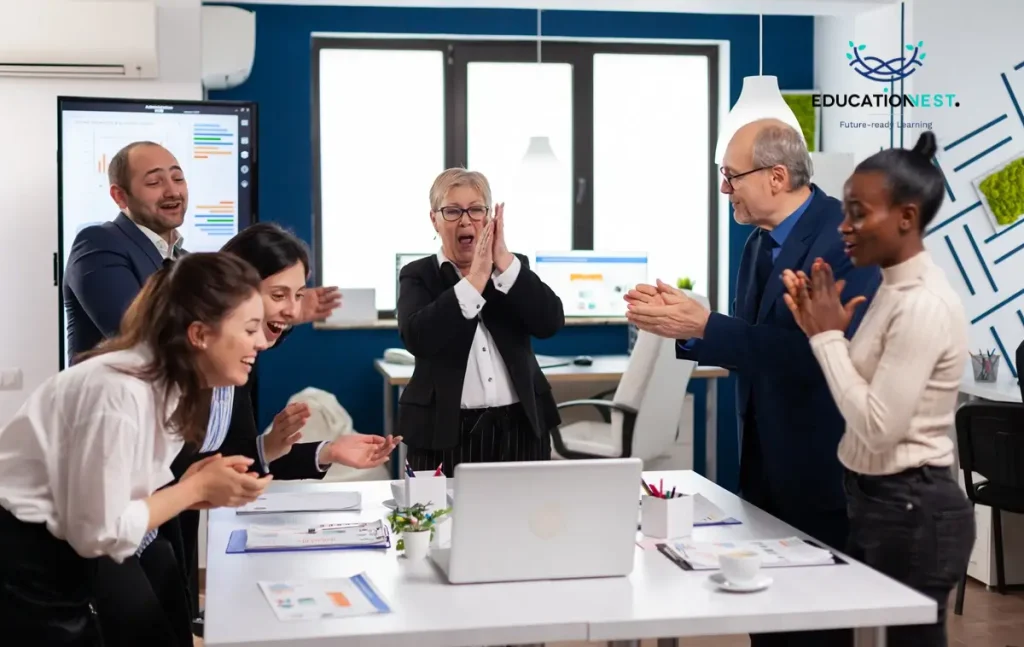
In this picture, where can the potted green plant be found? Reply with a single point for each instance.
(684, 283)
(415, 526)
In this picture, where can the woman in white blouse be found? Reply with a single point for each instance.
(896, 381)
(83, 461)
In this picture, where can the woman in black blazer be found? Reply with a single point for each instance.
(467, 314)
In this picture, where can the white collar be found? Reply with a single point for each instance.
(166, 250)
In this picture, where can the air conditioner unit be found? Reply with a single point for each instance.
(89, 39)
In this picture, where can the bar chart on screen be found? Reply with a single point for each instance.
(214, 169)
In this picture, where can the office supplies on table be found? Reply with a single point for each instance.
(339, 597)
(576, 519)
(985, 365)
(774, 553)
(426, 487)
(272, 502)
(337, 536)
(670, 516)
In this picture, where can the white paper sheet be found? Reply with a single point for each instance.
(303, 502)
(328, 598)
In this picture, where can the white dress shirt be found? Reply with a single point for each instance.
(166, 250)
(487, 382)
(85, 451)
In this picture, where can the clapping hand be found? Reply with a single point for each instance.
(285, 431)
(225, 481)
(815, 300)
(361, 451)
(318, 303)
(502, 257)
(483, 258)
(665, 311)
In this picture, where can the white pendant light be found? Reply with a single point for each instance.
(539, 152)
(760, 98)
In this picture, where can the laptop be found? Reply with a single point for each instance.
(544, 520)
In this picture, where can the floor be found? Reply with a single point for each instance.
(989, 620)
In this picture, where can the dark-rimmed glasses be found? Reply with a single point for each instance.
(735, 176)
(451, 214)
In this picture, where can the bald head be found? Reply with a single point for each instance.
(768, 143)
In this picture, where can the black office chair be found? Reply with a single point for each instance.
(990, 439)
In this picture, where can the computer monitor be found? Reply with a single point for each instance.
(401, 260)
(592, 284)
(214, 141)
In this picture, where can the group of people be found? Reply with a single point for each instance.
(846, 338)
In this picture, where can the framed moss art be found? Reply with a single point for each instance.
(1001, 191)
(801, 102)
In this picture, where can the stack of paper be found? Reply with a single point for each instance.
(330, 598)
(774, 553)
(303, 502)
(372, 534)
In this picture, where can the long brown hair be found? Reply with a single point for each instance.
(201, 287)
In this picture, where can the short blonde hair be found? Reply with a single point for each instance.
(456, 177)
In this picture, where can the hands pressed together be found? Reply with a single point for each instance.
(815, 301)
(491, 251)
(666, 311)
(225, 481)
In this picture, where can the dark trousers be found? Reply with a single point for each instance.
(46, 588)
(831, 527)
(917, 527)
(494, 435)
(144, 600)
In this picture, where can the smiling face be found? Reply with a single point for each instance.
(875, 231)
(282, 300)
(226, 352)
(459, 236)
(154, 193)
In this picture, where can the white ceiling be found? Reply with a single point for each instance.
(779, 7)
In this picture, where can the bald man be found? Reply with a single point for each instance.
(789, 421)
(109, 262)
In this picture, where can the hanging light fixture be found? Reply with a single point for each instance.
(760, 98)
(539, 151)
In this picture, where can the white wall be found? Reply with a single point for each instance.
(28, 195)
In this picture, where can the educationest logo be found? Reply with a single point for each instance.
(886, 72)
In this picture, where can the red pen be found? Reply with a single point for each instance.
(438, 472)
(661, 487)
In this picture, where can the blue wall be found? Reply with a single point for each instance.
(341, 361)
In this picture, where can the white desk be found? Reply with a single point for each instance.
(606, 368)
(1004, 389)
(657, 599)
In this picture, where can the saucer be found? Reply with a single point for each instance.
(759, 583)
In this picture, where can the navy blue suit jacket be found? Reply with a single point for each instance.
(107, 267)
(798, 424)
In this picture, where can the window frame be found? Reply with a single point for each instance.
(578, 53)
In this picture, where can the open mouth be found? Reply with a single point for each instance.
(249, 362)
(276, 327)
(466, 241)
(172, 206)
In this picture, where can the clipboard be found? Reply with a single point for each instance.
(664, 549)
(237, 540)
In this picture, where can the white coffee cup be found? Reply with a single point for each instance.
(740, 566)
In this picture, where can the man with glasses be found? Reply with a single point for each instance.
(790, 424)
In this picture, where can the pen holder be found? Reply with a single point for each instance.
(986, 367)
(425, 488)
(666, 518)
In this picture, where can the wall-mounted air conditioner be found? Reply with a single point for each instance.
(89, 39)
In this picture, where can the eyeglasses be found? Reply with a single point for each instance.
(451, 214)
(729, 178)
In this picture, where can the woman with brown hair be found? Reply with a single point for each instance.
(83, 461)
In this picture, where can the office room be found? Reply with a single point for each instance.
(641, 150)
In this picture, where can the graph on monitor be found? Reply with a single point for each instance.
(213, 142)
(592, 284)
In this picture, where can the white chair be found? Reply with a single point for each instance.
(642, 418)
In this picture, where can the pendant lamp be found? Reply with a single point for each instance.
(760, 98)
(539, 152)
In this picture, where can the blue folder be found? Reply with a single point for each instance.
(236, 544)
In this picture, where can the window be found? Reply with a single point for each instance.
(626, 133)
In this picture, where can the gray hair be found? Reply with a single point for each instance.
(782, 145)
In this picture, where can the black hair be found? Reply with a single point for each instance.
(911, 175)
(204, 287)
(269, 248)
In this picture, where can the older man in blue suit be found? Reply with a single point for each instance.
(110, 262)
(790, 424)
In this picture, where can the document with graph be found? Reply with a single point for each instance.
(338, 597)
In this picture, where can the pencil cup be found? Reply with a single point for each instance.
(986, 367)
(427, 489)
(666, 518)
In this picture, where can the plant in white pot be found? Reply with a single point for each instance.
(415, 526)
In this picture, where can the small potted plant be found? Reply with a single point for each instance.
(415, 527)
(684, 283)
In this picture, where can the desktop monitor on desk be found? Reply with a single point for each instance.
(592, 284)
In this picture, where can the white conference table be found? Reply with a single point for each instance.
(657, 600)
(605, 368)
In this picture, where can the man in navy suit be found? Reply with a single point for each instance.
(789, 421)
(110, 262)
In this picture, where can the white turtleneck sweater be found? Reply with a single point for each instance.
(896, 381)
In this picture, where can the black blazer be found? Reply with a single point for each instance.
(433, 329)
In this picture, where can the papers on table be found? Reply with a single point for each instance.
(775, 553)
(303, 502)
(328, 598)
(706, 513)
(371, 534)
